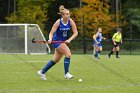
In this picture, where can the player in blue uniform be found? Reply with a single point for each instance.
(97, 42)
(59, 32)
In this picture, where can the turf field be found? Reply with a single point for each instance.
(18, 74)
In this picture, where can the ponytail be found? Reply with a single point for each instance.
(61, 9)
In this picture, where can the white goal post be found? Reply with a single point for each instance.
(17, 38)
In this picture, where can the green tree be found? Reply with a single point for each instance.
(131, 9)
(30, 11)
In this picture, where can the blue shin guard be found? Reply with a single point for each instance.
(96, 54)
(66, 64)
(48, 66)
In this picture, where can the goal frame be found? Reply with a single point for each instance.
(26, 37)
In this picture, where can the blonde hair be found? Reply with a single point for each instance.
(62, 9)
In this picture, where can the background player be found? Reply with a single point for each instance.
(97, 43)
(117, 39)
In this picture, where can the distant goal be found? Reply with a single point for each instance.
(17, 38)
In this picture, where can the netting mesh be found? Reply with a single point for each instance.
(34, 32)
(13, 39)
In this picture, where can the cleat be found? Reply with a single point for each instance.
(117, 57)
(42, 76)
(97, 57)
(68, 76)
(108, 55)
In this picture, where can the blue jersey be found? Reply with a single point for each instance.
(62, 31)
(99, 37)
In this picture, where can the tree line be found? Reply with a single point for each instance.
(88, 14)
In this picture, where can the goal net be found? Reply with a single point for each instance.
(17, 38)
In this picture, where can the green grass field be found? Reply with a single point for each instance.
(18, 74)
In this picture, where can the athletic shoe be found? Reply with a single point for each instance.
(42, 76)
(108, 55)
(97, 57)
(117, 57)
(68, 76)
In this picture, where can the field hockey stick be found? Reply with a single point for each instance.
(45, 42)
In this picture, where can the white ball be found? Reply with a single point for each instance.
(80, 80)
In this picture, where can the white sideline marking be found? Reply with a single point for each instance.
(35, 61)
(31, 61)
(62, 88)
(22, 61)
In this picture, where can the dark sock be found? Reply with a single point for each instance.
(48, 66)
(99, 52)
(110, 53)
(117, 52)
(96, 54)
(66, 64)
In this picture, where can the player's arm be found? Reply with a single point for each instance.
(121, 39)
(54, 28)
(95, 36)
(113, 39)
(74, 30)
(103, 38)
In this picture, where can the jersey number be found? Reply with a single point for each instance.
(64, 33)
